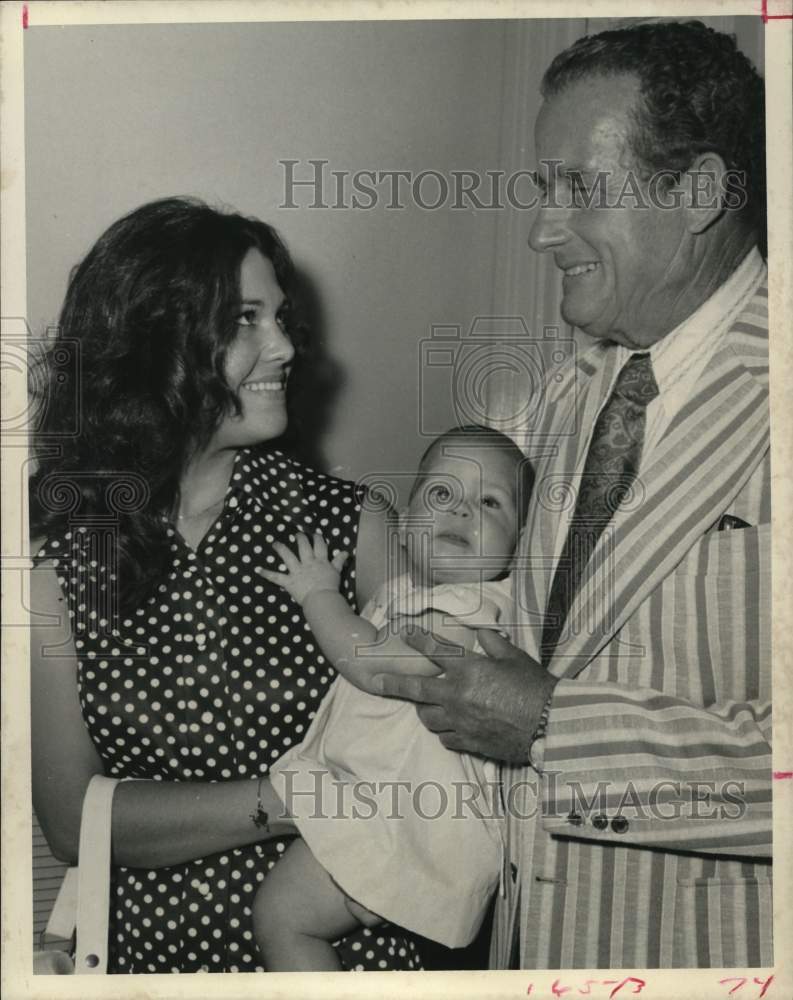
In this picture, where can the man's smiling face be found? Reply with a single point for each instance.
(624, 266)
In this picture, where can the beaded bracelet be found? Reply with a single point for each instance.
(260, 816)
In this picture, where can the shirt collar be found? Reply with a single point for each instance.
(695, 338)
(252, 483)
(674, 353)
(252, 480)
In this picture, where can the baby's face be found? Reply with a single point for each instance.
(462, 522)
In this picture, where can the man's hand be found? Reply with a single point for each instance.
(489, 705)
(308, 571)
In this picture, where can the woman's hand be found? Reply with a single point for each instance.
(309, 571)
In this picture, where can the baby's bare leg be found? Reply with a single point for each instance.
(299, 911)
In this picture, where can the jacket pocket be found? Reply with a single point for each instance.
(723, 921)
(736, 553)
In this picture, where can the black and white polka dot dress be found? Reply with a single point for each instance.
(214, 678)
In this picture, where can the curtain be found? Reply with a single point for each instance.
(526, 327)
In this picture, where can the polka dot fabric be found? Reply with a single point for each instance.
(214, 678)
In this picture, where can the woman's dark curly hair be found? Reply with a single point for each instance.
(699, 94)
(148, 318)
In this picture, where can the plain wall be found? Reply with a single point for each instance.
(116, 116)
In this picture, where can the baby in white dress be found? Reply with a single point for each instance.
(394, 826)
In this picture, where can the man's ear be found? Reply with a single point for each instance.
(704, 187)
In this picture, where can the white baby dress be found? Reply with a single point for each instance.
(407, 828)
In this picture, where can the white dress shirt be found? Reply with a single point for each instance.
(679, 358)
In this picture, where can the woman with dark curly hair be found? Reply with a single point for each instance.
(173, 660)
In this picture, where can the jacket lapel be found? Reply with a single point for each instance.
(701, 463)
(557, 450)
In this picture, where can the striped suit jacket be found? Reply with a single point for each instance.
(646, 841)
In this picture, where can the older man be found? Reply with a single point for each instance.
(638, 706)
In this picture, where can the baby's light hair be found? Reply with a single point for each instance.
(482, 436)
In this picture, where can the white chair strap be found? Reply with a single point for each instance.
(64, 910)
(93, 889)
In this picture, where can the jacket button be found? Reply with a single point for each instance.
(513, 870)
(600, 822)
(575, 819)
(619, 824)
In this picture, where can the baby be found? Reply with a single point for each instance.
(366, 855)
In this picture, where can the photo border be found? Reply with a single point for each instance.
(16, 790)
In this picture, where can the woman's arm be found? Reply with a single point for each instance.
(155, 823)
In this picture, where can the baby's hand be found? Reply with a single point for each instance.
(308, 571)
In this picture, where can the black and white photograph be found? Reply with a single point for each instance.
(388, 487)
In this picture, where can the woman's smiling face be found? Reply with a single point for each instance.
(258, 359)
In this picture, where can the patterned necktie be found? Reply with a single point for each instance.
(612, 464)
